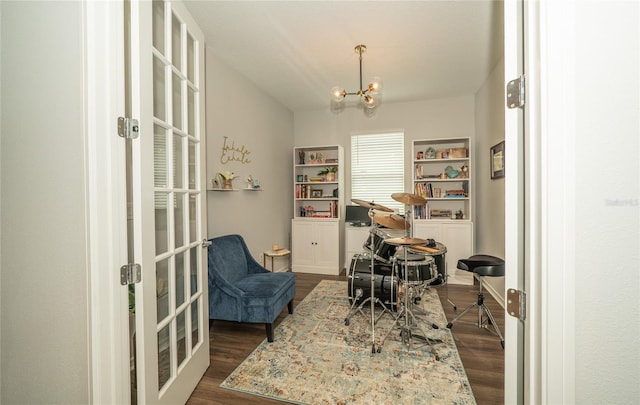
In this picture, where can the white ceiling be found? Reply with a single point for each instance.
(297, 50)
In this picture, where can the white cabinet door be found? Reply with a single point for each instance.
(327, 246)
(459, 243)
(302, 244)
(315, 246)
(355, 238)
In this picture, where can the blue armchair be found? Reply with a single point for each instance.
(242, 290)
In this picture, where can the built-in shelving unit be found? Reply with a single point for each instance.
(318, 195)
(318, 218)
(443, 176)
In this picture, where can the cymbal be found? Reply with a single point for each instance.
(392, 221)
(409, 199)
(405, 241)
(371, 204)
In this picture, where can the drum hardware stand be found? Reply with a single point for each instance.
(410, 321)
(373, 300)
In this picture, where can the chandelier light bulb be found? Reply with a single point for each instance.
(369, 101)
(338, 94)
(375, 86)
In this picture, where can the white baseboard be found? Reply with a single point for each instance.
(498, 297)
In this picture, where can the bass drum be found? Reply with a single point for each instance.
(385, 284)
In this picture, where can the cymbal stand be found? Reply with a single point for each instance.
(405, 312)
(373, 300)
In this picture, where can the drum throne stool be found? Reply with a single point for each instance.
(481, 266)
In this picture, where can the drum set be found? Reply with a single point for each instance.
(393, 272)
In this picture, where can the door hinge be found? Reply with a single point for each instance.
(128, 128)
(516, 93)
(130, 274)
(517, 303)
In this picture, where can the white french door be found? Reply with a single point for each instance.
(168, 182)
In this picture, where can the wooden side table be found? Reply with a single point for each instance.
(284, 252)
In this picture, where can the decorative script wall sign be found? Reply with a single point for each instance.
(233, 153)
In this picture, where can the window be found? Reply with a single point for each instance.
(377, 168)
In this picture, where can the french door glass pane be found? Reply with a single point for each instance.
(191, 102)
(193, 217)
(159, 87)
(158, 25)
(180, 285)
(160, 157)
(164, 356)
(192, 164)
(177, 101)
(178, 215)
(181, 324)
(176, 43)
(194, 270)
(195, 328)
(177, 162)
(162, 222)
(191, 63)
(162, 289)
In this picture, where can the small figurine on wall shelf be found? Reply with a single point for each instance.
(301, 157)
(227, 178)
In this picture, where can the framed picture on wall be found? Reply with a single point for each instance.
(497, 160)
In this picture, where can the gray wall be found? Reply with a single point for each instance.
(489, 225)
(248, 117)
(603, 177)
(44, 316)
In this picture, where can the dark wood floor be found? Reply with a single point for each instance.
(480, 350)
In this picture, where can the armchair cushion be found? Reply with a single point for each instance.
(240, 289)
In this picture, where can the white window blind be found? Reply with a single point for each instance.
(377, 168)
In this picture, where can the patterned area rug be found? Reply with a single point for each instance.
(317, 359)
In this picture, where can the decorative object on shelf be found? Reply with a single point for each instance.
(451, 172)
(370, 96)
(459, 214)
(464, 171)
(226, 179)
(316, 193)
(329, 173)
(250, 181)
(301, 157)
(497, 160)
(430, 153)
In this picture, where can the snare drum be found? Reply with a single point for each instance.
(417, 268)
(439, 263)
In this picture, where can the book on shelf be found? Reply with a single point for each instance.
(420, 211)
(439, 213)
(455, 194)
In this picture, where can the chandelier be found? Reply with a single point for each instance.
(370, 97)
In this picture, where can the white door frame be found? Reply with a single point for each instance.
(546, 374)
(107, 213)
